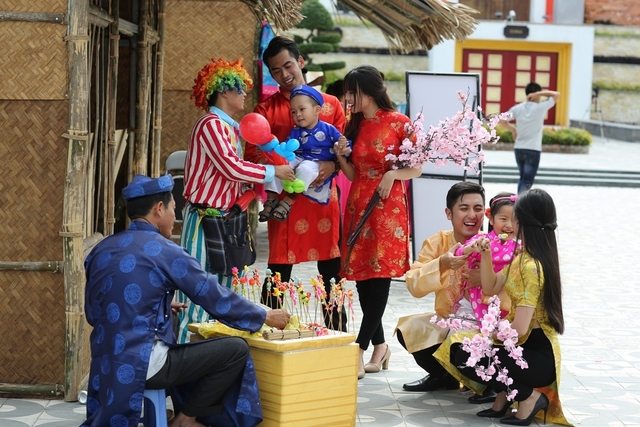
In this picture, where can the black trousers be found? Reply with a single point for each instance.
(538, 353)
(329, 269)
(373, 295)
(214, 365)
(424, 358)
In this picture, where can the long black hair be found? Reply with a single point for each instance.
(537, 220)
(365, 80)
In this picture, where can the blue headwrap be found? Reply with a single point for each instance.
(142, 185)
(308, 91)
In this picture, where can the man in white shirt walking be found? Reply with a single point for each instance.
(527, 132)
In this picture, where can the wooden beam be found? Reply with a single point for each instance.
(127, 28)
(47, 390)
(102, 18)
(54, 18)
(53, 266)
(99, 16)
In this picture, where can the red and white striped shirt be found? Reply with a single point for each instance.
(214, 174)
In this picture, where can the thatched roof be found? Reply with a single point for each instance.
(414, 24)
(283, 14)
(407, 24)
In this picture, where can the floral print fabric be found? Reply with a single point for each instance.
(382, 249)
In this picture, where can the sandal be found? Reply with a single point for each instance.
(281, 212)
(267, 210)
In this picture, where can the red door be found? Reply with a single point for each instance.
(504, 75)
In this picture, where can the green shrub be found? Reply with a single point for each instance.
(323, 36)
(327, 38)
(316, 16)
(550, 135)
(313, 67)
(505, 135)
(329, 66)
(583, 137)
(307, 48)
(326, 66)
(392, 76)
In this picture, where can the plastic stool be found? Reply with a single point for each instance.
(155, 408)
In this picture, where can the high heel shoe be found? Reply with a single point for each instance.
(360, 374)
(542, 404)
(492, 413)
(383, 364)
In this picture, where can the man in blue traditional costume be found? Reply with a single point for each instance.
(131, 279)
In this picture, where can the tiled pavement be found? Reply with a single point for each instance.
(598, 236)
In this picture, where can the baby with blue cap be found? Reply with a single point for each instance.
(316, 140)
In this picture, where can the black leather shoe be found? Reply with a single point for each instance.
(431, 383)
(417, 385)
(488, 396)
(490, 413)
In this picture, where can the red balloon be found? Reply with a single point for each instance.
(255, 129)
(275, 158)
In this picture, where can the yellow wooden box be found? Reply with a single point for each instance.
(306, 381)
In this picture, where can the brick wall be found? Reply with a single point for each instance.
(617, 12)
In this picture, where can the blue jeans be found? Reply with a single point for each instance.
(528, 161)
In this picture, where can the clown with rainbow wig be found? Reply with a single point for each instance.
(217, 179)
(217, 77)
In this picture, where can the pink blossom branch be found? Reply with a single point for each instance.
(481, 346)
(456, 139)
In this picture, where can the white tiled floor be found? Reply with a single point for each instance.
(600, 385)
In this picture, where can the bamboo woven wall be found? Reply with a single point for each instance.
(197, 31)
(31, 196)
(33, 60)
(48, 6)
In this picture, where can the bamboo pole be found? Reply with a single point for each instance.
(90, 242)
(55, 18)
(99, 16)
(74, 197)
(157, 122)
(112, 102)
(142, 103)
(46, 390)
(53, 266)
(151, 36)
(100, 129)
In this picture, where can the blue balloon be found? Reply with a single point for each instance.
(286, 149)
(269, 146)
(293, 144)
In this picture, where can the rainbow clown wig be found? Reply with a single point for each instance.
(218, 76)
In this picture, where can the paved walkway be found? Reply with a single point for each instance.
(600, 385)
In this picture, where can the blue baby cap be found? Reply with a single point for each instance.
(142, 185)
(309, 91)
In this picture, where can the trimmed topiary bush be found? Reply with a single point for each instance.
(323, 36)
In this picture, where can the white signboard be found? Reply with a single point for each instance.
(435, 94)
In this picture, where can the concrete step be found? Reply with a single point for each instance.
(579, 177)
